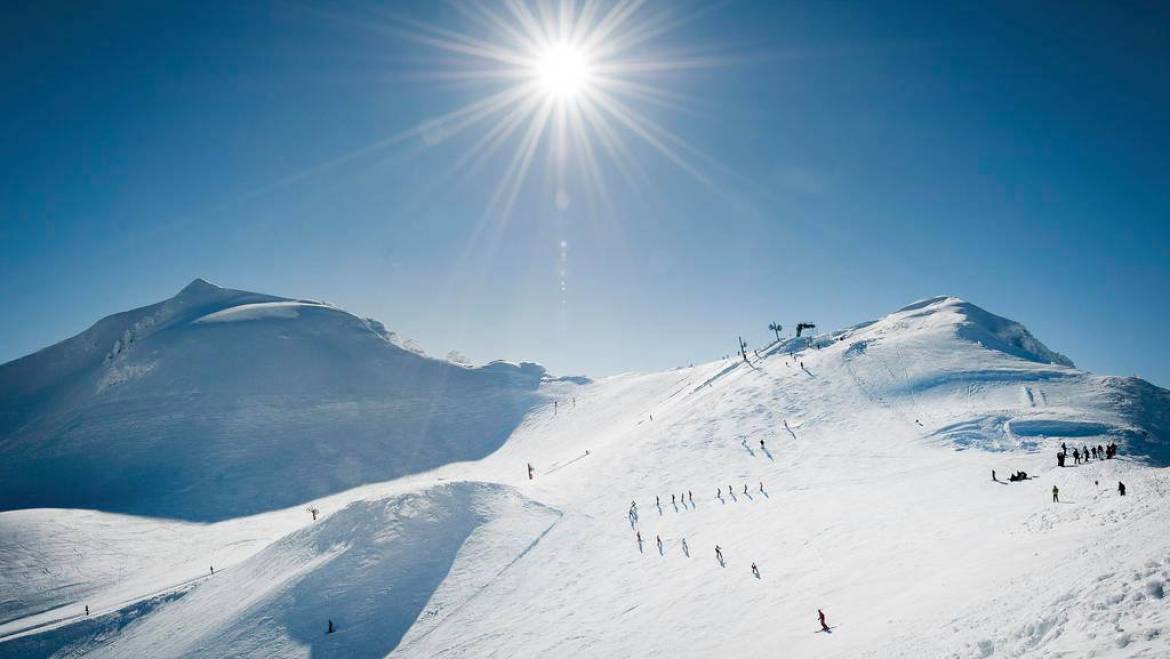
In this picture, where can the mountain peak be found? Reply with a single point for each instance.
(976, 324)
(199, 285)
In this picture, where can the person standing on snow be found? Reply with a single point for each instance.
(821, 617)
(1055, 494)
(1121, 488)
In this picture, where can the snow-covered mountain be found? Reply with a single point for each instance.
(854, 468)
(210, 404)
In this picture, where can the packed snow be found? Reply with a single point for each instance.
(331, 477)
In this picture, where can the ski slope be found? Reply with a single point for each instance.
(877, 506)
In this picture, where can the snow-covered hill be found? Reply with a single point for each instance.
(211, 404)
(870, 496)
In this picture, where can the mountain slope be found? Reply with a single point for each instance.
(870, 497)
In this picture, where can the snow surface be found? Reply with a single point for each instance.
(877, 503)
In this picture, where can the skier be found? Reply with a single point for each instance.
(718, 553)
(1064, 448)
(762, 445)
(658, 539)
(745, 488)
(690, 496)
(993, 474)
(1076, 457)
(755, 570)
(1055, 494)
(657, 501)
(821, 617)
(529, 471)
(761, 486)
(639, 534)
(86, 609)
(1121, 488)
(212, 568)
(672, 501)
(554, 408)
(686, 549)
(330, 630)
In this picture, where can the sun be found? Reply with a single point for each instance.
(562, 70)
(571, 78)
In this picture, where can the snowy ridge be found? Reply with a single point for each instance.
(859, 463)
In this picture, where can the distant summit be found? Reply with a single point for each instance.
(210, 403)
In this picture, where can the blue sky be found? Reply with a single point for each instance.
(857, 156)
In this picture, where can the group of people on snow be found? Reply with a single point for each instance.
(1083, 454)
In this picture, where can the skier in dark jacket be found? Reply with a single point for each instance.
(821, 617)
(1055, 494)
(1121, 488)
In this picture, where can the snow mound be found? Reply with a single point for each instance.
(372, 568)
(257, 311)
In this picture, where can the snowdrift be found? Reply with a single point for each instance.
(221, 403)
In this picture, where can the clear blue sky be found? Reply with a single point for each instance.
(862, 156)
